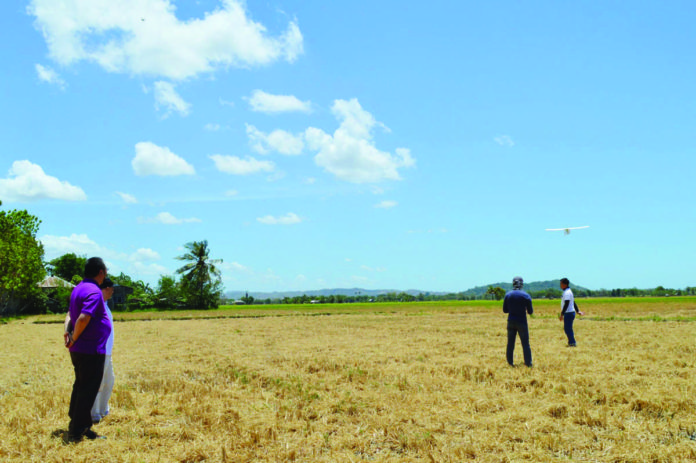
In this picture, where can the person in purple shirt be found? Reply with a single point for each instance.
(87, 344)
(517, 304)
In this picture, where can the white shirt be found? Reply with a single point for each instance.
(568, 296)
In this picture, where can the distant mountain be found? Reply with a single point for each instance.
(326, 292)
(477, 291)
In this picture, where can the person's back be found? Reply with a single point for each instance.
(517, 304)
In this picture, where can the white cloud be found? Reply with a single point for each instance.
(387, 204)
(144, 37)
(263, 102)
(371, 269)
(231, 193)
(210, 127)
(151, 159)
(310, 181)
(80, 244)
(48, 75)
(28, 182)
(274, 177)
(128, 199)
(235, 267)
(167, 97)
(504, 140)
(289, 219)
(144, 255)
(138, 264)
(226, 103)
(350, 154)
(149, 270)
(167, 218)
(279, 140)
(237, 166)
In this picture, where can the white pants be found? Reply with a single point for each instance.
(101, 404)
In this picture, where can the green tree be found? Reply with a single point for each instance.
(67, 266)
(21, 263)
(200, 276)
(498, 293)
(168, 292)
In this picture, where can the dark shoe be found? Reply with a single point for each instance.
(572, 345)
(91, 435)
(528, 366)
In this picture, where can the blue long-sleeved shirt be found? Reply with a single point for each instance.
(517, 304)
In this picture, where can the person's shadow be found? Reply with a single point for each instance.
(61, 434)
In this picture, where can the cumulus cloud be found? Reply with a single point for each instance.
(28, 182)
(144, 255)
(289, 219)
(80, 244)
(263, 102)
(128, 199)
(151, 159)
(237, 166)
(48, 75)
(504, 140)
(141, 263)
(210, 127)
(167, 218)
(386, 204)
(231, 193)
(167, 99)
(144, 37)
(350, 153)
(279, 141)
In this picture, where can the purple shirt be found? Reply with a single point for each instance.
(87, 299)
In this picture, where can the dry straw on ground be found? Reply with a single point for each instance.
(415, 383)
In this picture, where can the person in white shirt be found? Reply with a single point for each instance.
(568, 310)
(101, 404)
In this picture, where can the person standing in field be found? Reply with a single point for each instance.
(517, 304)
(101, 404)
(87, 343)
(568, 310)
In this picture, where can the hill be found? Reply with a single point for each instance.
(531, 287)
(476, 291)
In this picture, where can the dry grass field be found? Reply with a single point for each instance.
(374, 383)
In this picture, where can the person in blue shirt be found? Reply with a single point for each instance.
(517, 304)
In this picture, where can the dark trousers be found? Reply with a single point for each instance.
(568, 319)
(514, 328)
(89, 369)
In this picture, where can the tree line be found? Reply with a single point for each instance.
(199, 285)
(22, 268)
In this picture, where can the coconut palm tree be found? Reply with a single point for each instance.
(200, 276)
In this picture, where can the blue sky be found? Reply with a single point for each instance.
(357, 144)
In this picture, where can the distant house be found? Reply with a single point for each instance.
(238, 302)
(54, 282)
(119, 301)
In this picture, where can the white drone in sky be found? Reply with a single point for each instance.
(567, 230)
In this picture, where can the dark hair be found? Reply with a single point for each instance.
(93, 266)
(107, 283)
(565, 281)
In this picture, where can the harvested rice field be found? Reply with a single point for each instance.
(367, 383)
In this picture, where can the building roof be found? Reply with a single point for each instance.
(55, 282)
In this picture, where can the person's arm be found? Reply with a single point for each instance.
(566, 303)
(506, 309)
(67, 334)
(80, 325)
(577, 309)
(530, 308)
